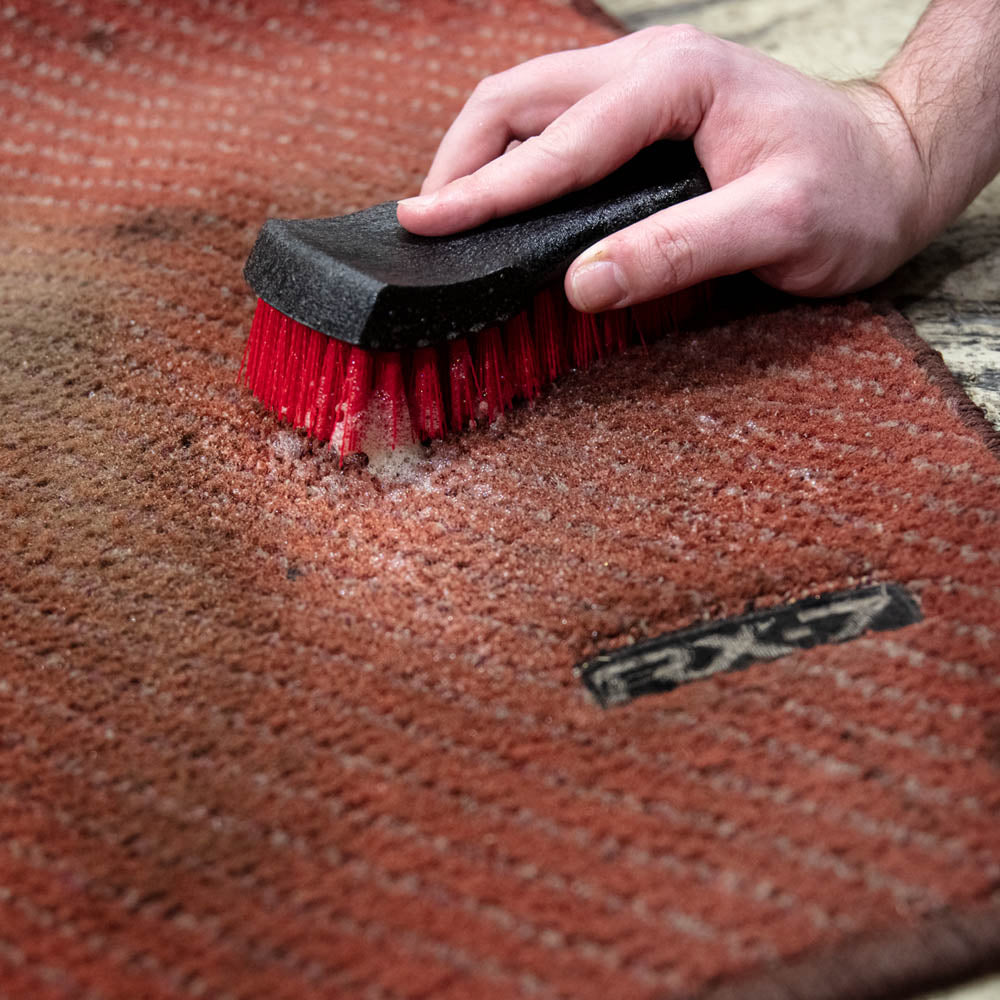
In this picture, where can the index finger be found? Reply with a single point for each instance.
(515, 104)
(585, 143)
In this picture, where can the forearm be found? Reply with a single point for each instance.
(945, 80)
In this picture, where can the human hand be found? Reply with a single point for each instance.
(819, 188)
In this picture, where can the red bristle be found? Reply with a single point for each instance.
(389, 385)
(586, 342)
(261, 361)
(669, 309)
(248, 362)
(493, 372)
(355, 394)
(308, 377)
(319, 383)
(282, 365)
(279, 336)
(261, 358)
(692, 301)
(652, 319)
(464, 390)
(323, 414)
(549, 332)
(291, 374)
(426, 401)
(522, 361)
(615, 329)
(265, 373)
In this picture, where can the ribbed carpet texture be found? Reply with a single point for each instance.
(270, 729)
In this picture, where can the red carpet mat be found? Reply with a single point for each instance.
(270, 729)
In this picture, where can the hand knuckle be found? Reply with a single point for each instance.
(676, 37)
(687, 36)
(554, 149)
(490, 89)
(669, 257)
(794, 209)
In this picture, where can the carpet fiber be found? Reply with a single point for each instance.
(271, 729)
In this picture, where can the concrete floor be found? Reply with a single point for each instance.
(950, 292)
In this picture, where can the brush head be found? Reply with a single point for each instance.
(364, 280)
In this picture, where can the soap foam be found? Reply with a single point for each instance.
(288, 444)
(387, 438)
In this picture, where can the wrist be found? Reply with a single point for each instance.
(919, 212)
(945, 84)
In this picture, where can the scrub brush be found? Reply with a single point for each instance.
(355, 315)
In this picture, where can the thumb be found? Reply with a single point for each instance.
(752, 221)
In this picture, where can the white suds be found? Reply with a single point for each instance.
(288, 445)
(402, 461)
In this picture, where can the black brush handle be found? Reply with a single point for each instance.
(363, 279)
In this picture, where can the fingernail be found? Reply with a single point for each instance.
(420, 201)
(599, 285)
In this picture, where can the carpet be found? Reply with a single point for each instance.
(273, 729)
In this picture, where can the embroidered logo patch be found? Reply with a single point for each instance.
(667, 661)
